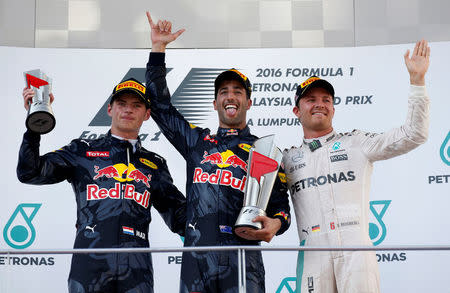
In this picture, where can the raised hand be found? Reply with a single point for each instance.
(418, 64)
(28, 95)
(161, 34)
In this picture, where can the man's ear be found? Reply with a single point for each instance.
(147, 114)
(249, 103)
(109, 110)
(296, 111)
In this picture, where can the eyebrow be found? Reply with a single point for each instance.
(234, 88)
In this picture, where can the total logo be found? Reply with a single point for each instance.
(221, 177)
(19, 233)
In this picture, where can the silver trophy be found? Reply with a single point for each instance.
(40, 117)
(264, 161)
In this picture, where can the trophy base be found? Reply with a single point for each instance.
(41, 122)
(244, 222)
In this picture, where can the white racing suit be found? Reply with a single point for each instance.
(330, 192)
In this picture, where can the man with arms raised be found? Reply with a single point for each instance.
(216, 174)
(329, 181)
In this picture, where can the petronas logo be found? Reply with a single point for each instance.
(19, 232)
(377, 231)
(445, 150)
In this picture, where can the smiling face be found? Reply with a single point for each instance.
(232, 104)
(315, 111)
(128, 112)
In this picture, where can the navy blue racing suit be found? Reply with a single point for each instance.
(215, 179)
(114, 190)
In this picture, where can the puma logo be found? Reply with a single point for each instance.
(192, 226)
(91, 228)
(303, 230)
(85, 142)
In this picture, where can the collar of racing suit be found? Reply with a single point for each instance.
(233, 131)
(312, 142)
(117, 140)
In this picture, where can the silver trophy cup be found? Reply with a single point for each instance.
(264, 161)
(40, 117)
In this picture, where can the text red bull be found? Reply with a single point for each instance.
(94, 192)
(220, 177)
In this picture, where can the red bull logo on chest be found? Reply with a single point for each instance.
(224, 160)
(122, 173)
(221, 177)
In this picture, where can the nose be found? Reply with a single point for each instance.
(319, 104)
(128, 108)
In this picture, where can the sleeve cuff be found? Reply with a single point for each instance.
(157, 58)
(418, 90)
(31, 136)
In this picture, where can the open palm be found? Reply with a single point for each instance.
(419, 62)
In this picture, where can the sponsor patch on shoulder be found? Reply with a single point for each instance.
(282, 177)
(245, 147)
(283, 214)
(148, 163)
(192, 125)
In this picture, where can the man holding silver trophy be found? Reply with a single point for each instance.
(116, 181)
(329, 181)
(216, 177)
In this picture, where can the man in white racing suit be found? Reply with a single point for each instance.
(329, 180)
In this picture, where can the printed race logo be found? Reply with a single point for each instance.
(19, 232)
(378, 209)
(445, 150)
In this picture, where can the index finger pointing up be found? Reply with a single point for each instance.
(150, 21)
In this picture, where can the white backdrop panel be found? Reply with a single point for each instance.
(416, 184)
